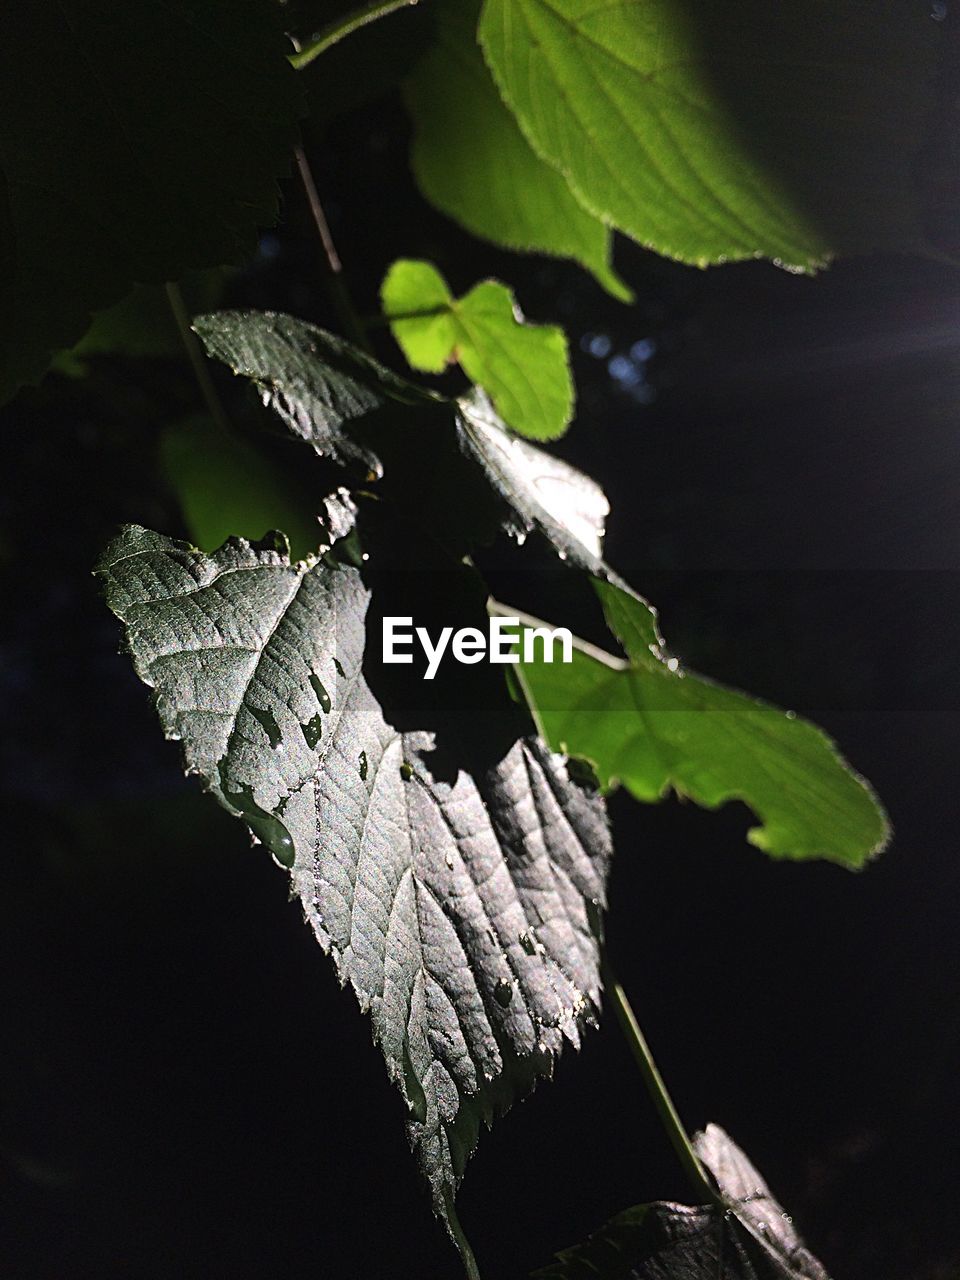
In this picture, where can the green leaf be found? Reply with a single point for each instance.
(747, 1237)
(138, 142)
(451, 867)
(710, 132)
(472, 161)
(452, 463)
(228, 487)
(653, 727)
(524, 368)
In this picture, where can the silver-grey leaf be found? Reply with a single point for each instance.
(316, 382)
(459, 895)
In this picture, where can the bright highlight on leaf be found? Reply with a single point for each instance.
(471, 160)
(523, 367)
(710, 132)
(646, 723)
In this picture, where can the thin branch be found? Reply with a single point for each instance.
(339, 295)
(345, 26)
(198, 361)
(658, 1090)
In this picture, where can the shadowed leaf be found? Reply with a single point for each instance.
(748, 1237)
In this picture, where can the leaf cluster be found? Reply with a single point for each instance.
(452, 866)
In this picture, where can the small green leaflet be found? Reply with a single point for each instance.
(653, 727)
(524, 368)
(471, 160)
(747, 1237)
(457, 884)
(710, 132)
(138, 142)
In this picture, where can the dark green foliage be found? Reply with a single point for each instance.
(138, 141)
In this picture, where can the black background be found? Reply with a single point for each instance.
(185, 1090)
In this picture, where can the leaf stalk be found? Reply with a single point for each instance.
(669, 1116)
(335, 31)
(339, 294)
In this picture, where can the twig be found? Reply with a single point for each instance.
(339, 294)
(332, 34)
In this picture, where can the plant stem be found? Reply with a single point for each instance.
(335, 31)
(198, 361)
(658, 1090)
(339, 295)
(470, 1268)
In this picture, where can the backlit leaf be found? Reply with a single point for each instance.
(524, 368)
(710, 132)
(472, 161)
(645, 722)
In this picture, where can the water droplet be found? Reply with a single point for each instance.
(528, 942)
(365, 557)
(449, 861)
(362, 765)
(406, 771)
(313, 730)
(268, 722)
(322, 696)
(503, 992)
(673, 664)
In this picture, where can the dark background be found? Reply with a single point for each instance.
(185, 1090)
